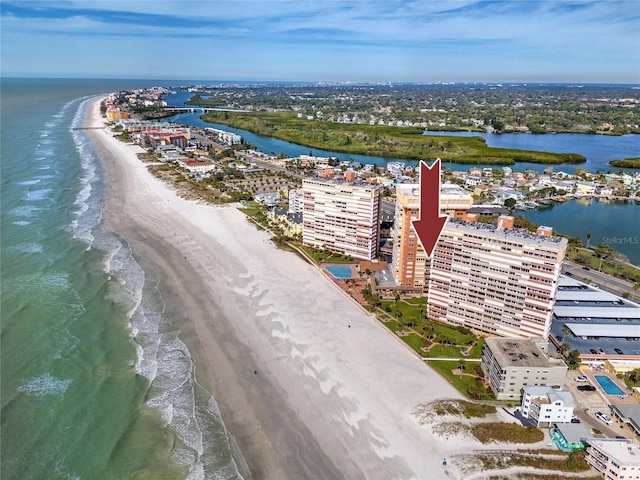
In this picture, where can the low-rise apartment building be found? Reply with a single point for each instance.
(615, 459)
(510, 364)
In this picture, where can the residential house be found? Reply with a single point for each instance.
(545, 405)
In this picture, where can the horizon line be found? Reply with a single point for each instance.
(332, 82)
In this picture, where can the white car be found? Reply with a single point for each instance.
(604, 418)
(581, 378)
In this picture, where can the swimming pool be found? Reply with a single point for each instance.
(339, 271)
(608, 386)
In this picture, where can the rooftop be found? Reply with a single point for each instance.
(544, 391)
(520, 352)
(624, 451)
(604, 329)
(517, 234)
(448, 191)
(573, 432)
(603, 312)
(339, 181)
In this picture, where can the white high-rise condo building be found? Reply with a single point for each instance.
(341, 216)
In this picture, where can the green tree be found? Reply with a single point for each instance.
(510, 203)
(589, 235)
(565, 331)
(603, 252)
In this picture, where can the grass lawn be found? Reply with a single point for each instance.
(414, 341)
(465, 384)
(476, 351)
(456, 337)
(444, 351)
(251, 208)
(416, 301)
(323, 256)
(393, 325)
(624, 271)
(445, 367)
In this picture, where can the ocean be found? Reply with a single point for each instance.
(96, 383)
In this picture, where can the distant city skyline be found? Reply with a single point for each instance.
(331, 41)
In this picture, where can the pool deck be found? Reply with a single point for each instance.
(353, 267)
(619, 391)
(611, 399)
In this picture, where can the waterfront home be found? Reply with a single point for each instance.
(472, 180)
(567, 186)
(585, 188)
(545, 405)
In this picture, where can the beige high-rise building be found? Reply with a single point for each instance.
(341, 216)
(493, 279)
(409, 260)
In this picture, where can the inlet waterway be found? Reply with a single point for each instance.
(611, 222)
(603, 219)
(599, 150)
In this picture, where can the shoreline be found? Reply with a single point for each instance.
(308, 384)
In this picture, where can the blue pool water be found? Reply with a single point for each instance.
(339, 271)
(608, 386)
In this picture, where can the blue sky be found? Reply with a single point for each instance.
(331, 40)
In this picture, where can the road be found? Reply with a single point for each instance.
(605, 282)
(587, 418)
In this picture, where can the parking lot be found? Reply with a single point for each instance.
(588, 403)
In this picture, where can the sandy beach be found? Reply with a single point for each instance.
(308, 383)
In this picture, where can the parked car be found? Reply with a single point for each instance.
(604, 418)
(618, 351)
(593, 350)
(600, 351)
(586, 388)
(581, 378)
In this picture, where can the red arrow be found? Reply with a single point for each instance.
(430, 223)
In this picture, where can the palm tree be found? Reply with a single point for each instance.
(565, 331)
(589, 235)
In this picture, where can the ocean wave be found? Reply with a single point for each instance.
(45, 384)
(25, 211)
(87, 214)
(38, 195)
(30, 182)
(162, 357)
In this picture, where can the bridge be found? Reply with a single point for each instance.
(187, 109)
(202, 109)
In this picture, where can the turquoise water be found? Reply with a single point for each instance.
(608, 386)
(339, 271)
(96, 383)
(614, 223)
